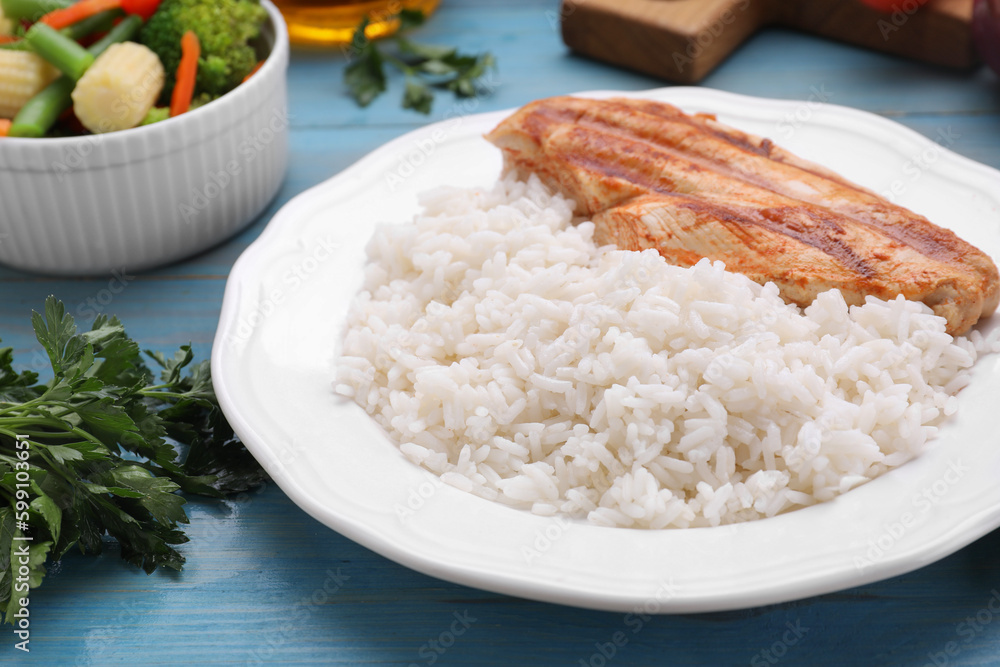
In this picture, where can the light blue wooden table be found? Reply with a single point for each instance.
(267, 584)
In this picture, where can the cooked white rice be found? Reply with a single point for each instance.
(504, 351)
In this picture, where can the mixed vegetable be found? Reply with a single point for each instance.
(96, 66)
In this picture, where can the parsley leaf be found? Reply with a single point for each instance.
(426, 66)
(365, 75)
(91, 453)
(411, 18)
(417, 97)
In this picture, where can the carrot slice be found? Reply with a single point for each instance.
(187, 72)
(6, 39)
(4, 126)
(62, 18)
(253, 71)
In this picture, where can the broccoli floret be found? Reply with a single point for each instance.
(155, 115)
(200, 100)
(224, 28)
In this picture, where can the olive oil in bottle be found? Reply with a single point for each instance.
(332, 22)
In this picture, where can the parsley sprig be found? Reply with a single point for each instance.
(90, 453)
(425, 67)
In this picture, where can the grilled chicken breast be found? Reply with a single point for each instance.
(651, 176)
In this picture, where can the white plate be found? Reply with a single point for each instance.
(288, 295)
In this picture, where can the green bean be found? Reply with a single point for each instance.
(92, 24)
(41, 112)
(31, 10)
(101, 22)
(63, 53)
(123, 32)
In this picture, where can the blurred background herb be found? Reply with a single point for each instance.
(425, 67)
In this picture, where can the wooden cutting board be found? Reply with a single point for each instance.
(683, 40)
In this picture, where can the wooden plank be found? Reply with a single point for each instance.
(256, 590)
(683, 40)
(530, 44)
(939, 33)
(679, 41)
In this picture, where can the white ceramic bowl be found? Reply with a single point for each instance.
(147, 196)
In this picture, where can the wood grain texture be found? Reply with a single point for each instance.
(259, 588)
(684, 40)
(253, 590)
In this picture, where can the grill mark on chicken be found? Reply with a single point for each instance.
(608, 154)
(826, 235)
(705, 122)
(936, 243)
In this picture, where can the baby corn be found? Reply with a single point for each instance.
(119, 89)
(22, 76)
